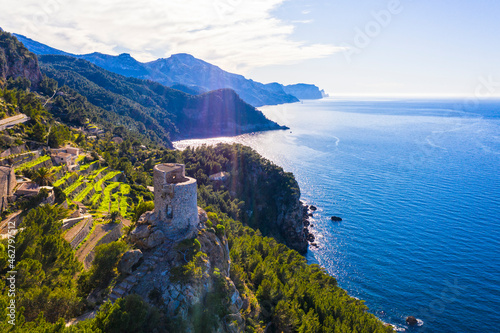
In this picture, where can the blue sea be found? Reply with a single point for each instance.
(417, 184)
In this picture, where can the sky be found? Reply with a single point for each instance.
(362, 47)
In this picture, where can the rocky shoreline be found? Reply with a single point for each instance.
(307, 212)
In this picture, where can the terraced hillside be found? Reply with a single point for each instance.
(95, 190)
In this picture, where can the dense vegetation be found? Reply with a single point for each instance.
(257, 192)
(46, 267)
(111, 92)
(18, 100)
(290, 294)
(74, 109)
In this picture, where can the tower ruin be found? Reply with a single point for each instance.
(175, 199)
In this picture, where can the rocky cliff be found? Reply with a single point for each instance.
(16, 61)
(305, 91)
(277, 210)
(188, 278)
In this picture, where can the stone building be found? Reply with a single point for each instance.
(176, 208)
(65, 156)
(219, 177)
(175, 197)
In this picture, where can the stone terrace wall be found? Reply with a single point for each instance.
(111, 236)
(84, 231)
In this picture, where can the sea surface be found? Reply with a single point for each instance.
(417, 183)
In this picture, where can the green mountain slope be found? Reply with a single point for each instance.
(168, 112)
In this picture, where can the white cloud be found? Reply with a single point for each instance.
(234, 34)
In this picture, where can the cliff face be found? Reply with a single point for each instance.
(271, 199)
(193, 287)
(304, 91)
(284, 210)
(16, 61)
(292, 226)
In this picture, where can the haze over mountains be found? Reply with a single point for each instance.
(189, 74)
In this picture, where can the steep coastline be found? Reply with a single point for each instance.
(268, 196)
(182, 268)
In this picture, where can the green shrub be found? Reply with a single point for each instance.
(193, 270)
(103, 268)
(141, 208)
(213, 217)
(221, 230)
(197, 245)
(130, 314)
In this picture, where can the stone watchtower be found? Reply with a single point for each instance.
(175, 199)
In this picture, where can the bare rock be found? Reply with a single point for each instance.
(410, 320)
(145, 218)
(147, 236)
(202, 215)
(155, 238)
(128, 260)
(234, 323)
(140, 232)
(236, 301)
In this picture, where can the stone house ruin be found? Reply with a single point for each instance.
(65, 156)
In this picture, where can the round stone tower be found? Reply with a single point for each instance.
(176, 203)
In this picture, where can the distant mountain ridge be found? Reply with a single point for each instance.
(184, 70)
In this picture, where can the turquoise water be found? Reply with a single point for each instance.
(417, 184)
